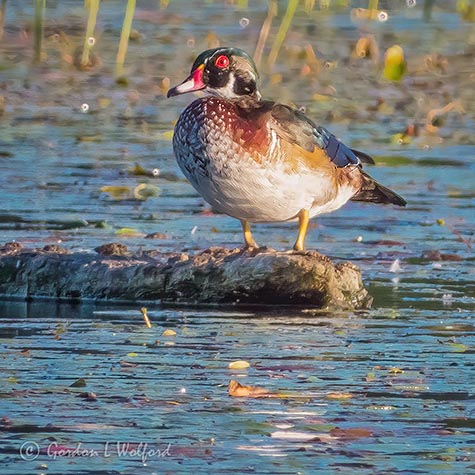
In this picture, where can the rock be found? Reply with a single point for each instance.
(213, 276)
(113, 249)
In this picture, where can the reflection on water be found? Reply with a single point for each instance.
(389, 390)
(384, 391)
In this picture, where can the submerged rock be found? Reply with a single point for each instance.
(213, 276)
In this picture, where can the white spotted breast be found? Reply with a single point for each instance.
(241, 167)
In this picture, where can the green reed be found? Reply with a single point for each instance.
(281, 34)
(265, 30)
(89, 40)
(2, 16)
(40, 6)
(124, 37)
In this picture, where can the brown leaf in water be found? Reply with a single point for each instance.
(236, 389)
(127, 364)
(339, 395)
(438, 256)
(351, 433)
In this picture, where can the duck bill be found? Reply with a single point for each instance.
(194, 82)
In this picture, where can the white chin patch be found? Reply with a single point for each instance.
(228, 90)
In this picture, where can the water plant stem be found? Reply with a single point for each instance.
(124, 36)
(38, 29)
(93, 6)
(2, 16)
(264, 33)
(284, 26)
(373, 5)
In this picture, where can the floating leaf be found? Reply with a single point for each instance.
(240, 364)
(395, 370)
(118, 192)
(132, 354)
(169, 332)
(236, 389)
(370, 377)
(129, 232)
(79, 383)
(89, 138)
(394, 63)
(459, 347)
(400, 139)
(143, 191)
(139, 170)
(351, 433)
(338, 395)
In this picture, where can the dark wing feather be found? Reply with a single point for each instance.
(373, 192)
(294, 126)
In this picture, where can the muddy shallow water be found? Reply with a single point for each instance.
(385, 391)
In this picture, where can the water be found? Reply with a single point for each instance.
(380, 392)
(390, 391)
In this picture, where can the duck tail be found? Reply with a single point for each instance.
(364, 157)
(373, 192)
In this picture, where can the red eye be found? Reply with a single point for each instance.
(222, 62)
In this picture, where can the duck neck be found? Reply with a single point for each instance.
(249, 101)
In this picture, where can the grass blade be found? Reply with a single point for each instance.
(124, 37)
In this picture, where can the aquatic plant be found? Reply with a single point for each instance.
(89, 40)
(38, 29)
(281, 34)
(124, 37)
(2, 16)
(264, 32)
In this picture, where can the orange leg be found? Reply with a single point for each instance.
(303, 226)
(248, 239)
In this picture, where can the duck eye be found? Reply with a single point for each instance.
(222, 62)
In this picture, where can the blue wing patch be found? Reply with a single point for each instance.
(339, 153)
(297, 128)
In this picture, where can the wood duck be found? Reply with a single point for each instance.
(261, 161)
